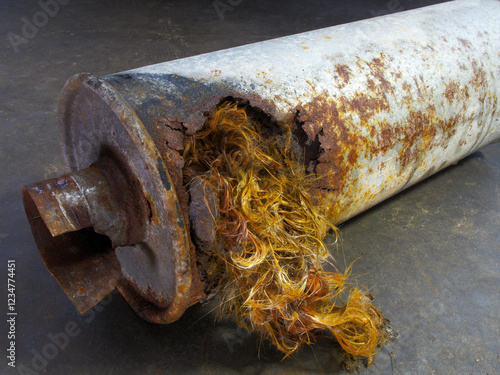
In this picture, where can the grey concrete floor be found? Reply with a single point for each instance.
(430, 255)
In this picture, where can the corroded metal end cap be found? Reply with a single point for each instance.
(114, 220)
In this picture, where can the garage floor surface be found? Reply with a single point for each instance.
(430, 255)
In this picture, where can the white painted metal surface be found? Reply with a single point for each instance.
(392, 99)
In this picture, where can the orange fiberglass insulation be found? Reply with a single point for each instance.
(268, 253)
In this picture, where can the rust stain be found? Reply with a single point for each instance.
(338, 122)
(344, 72)
(337, 142)
(407, 89)
(216, 72)
(479, 79)
(465, 43)
(370, 84)
(352, 157)
(386, 138)
(365, 106)
(377, 68)
(423, 90)
(418, 134)
(451, 91)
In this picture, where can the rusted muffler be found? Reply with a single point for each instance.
(378, 105)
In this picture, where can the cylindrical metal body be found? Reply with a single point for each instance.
(381, 104)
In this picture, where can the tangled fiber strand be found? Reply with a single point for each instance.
(271, 252)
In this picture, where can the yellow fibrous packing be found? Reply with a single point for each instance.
(272, 276)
